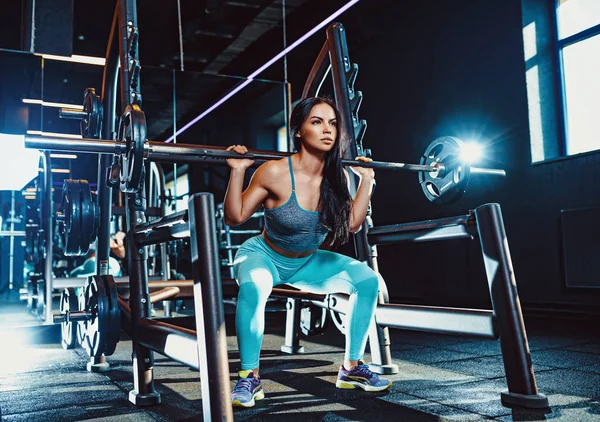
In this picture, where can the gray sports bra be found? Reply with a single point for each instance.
(293, 228)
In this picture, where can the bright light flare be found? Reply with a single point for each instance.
(19, 357)
(471, 152)
(18, 165)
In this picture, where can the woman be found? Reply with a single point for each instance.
(305, 197)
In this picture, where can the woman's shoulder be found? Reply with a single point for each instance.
(274, 169)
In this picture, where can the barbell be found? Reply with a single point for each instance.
(93, 318)
(443, 173)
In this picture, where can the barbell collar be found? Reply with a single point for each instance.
(72, 113)
(70, 316)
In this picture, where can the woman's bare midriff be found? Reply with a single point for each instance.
(285, 252)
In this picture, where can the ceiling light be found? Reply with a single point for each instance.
(67, 156)
(99, 61)
(51, 104)
(40, 170)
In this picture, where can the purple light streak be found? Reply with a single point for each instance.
(263, 68)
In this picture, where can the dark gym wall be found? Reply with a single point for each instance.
(431, 68)
(48, 26)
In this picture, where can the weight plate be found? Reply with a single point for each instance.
(70, 208)
(97, 304)
(40, 304)
(91, 124)
(450, 182)
(31, 296)
(132, 132)
(78, 225)
(68, 303)
(114, 327)
(89, 215)
(81, 325)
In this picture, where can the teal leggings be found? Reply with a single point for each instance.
(258, 268)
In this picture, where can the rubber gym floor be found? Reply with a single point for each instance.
(440, 377)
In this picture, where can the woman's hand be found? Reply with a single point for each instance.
(239, 163)
(364, 172)
(117, 247)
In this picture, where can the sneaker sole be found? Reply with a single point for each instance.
(349, 385)
(258, 396)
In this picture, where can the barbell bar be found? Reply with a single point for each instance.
(172, 153)
(443, 174)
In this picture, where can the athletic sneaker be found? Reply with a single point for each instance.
(361, 377)
(247, 390)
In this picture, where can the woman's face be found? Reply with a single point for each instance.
(319, 130)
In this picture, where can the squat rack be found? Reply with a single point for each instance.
(198, 223)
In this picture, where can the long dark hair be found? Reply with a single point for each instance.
(335, 202)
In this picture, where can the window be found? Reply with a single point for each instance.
(578, 42)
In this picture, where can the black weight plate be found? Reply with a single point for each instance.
(81, 325)
(132, 131)
(448, 184)
(114, 328)
(96, 303)
(31, 295)
(40, 304)
(71, 209)
(91, 124)
(88, 217)
(68, 303)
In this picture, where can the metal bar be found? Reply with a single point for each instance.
(341, 67)
(210, 313)
(522, 388)
(208, 154)
(71, 113)
(475, 322)
(164, 256)
(128, 52)
(177, 343)
(424, 235)
(171, 227)
(143, 393)
(164, 294)
(98, 146)
(317, 73)
(61, 283)
(16, 233)
(462, 220)
(48, 227)
(11, 261)
(174, 153)
(488, 172)
(291, 343)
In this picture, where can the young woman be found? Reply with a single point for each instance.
(305, 197)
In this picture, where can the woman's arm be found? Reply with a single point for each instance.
(239, 206)
(363, 195)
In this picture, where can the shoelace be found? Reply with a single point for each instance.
(365, 368)
(243, 384)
